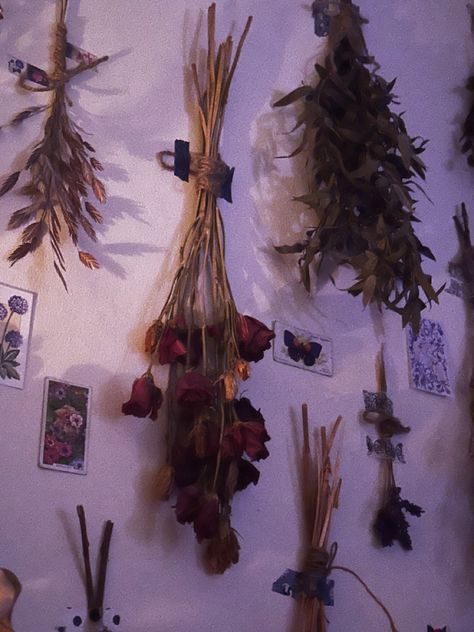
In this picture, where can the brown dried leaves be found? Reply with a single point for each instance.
(365, 167)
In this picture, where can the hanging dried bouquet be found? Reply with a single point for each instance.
(365, 166)
(61, 166)
(213, 436)
(390, 524)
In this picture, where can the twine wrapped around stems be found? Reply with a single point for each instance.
(320, 487)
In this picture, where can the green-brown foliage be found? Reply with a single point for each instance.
(364, 167)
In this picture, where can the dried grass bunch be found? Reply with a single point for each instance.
(320, 486)
(390, 522)
(213, 437)
(364, 168)
(61, 168)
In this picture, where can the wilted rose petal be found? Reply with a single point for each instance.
(206, 522)
(247, 474)
(187, 504)
(254, 338)
(145, 400)
(170, 348)
(194, 390)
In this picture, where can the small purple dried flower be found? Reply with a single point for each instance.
(18, 304)
(3, 311)
(14, 339)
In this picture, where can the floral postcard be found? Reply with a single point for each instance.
(65, 430)
(428, 360)
(16, 308)
(302, 349)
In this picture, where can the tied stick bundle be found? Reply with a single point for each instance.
(320, 490)
(213, 437)
(321, 485)
(61, 169)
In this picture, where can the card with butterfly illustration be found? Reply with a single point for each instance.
(302, 349)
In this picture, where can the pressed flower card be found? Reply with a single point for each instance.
(16, 307)
(302, 349)
(427, 357)
(65, 429)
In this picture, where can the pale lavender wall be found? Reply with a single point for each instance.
(134, 107)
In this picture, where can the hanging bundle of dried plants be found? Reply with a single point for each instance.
(467, 138)
(61, 168)
(461, 221)
(213, 437)
(320, 486)
(364, 169)
(390, 522)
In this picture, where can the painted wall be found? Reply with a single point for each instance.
(135, 106)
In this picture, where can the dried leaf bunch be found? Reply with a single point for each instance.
(213, 436)
(390, 524)
(61, 167)
(365, 166)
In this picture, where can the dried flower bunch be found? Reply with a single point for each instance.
(213, 437)
(320, 486)
(364, 167)
(61, 167)
(467, 138)
(461, 221)
(390, 522)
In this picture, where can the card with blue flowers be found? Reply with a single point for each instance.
(16, 309)
(65, 429)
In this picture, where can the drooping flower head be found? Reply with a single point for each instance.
(145, 400)
(194, 390)
(14, 339)
(254, 338)
(18, 304)
(3, 311)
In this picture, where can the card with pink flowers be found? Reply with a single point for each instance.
(16, 308)
(65, 429)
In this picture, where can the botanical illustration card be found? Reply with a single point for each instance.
(302, 349)
(65, 429)
(16, 307)
(427, 355)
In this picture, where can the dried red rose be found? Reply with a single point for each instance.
(246, 412)
(186, 466)
(245, 436)
(145, 400)
(206, 522)
(170, 348)
(187, 503)
(247, 474)
(254, 338)
(194, 390)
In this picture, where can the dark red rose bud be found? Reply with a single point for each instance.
(246, 412)
(254, 338)
(145, 400)
(186, 465)
(254, 438)
(232, 444)
(194, 390)
(248, 474)
(187, 504)
(170, 348)
(206, 522)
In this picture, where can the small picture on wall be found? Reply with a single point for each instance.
(16, 307)
(302, 349)
(428, 359)
(65, 429)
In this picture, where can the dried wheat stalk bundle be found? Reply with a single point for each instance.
(61, 168)
(213, 437)
(320, 486)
